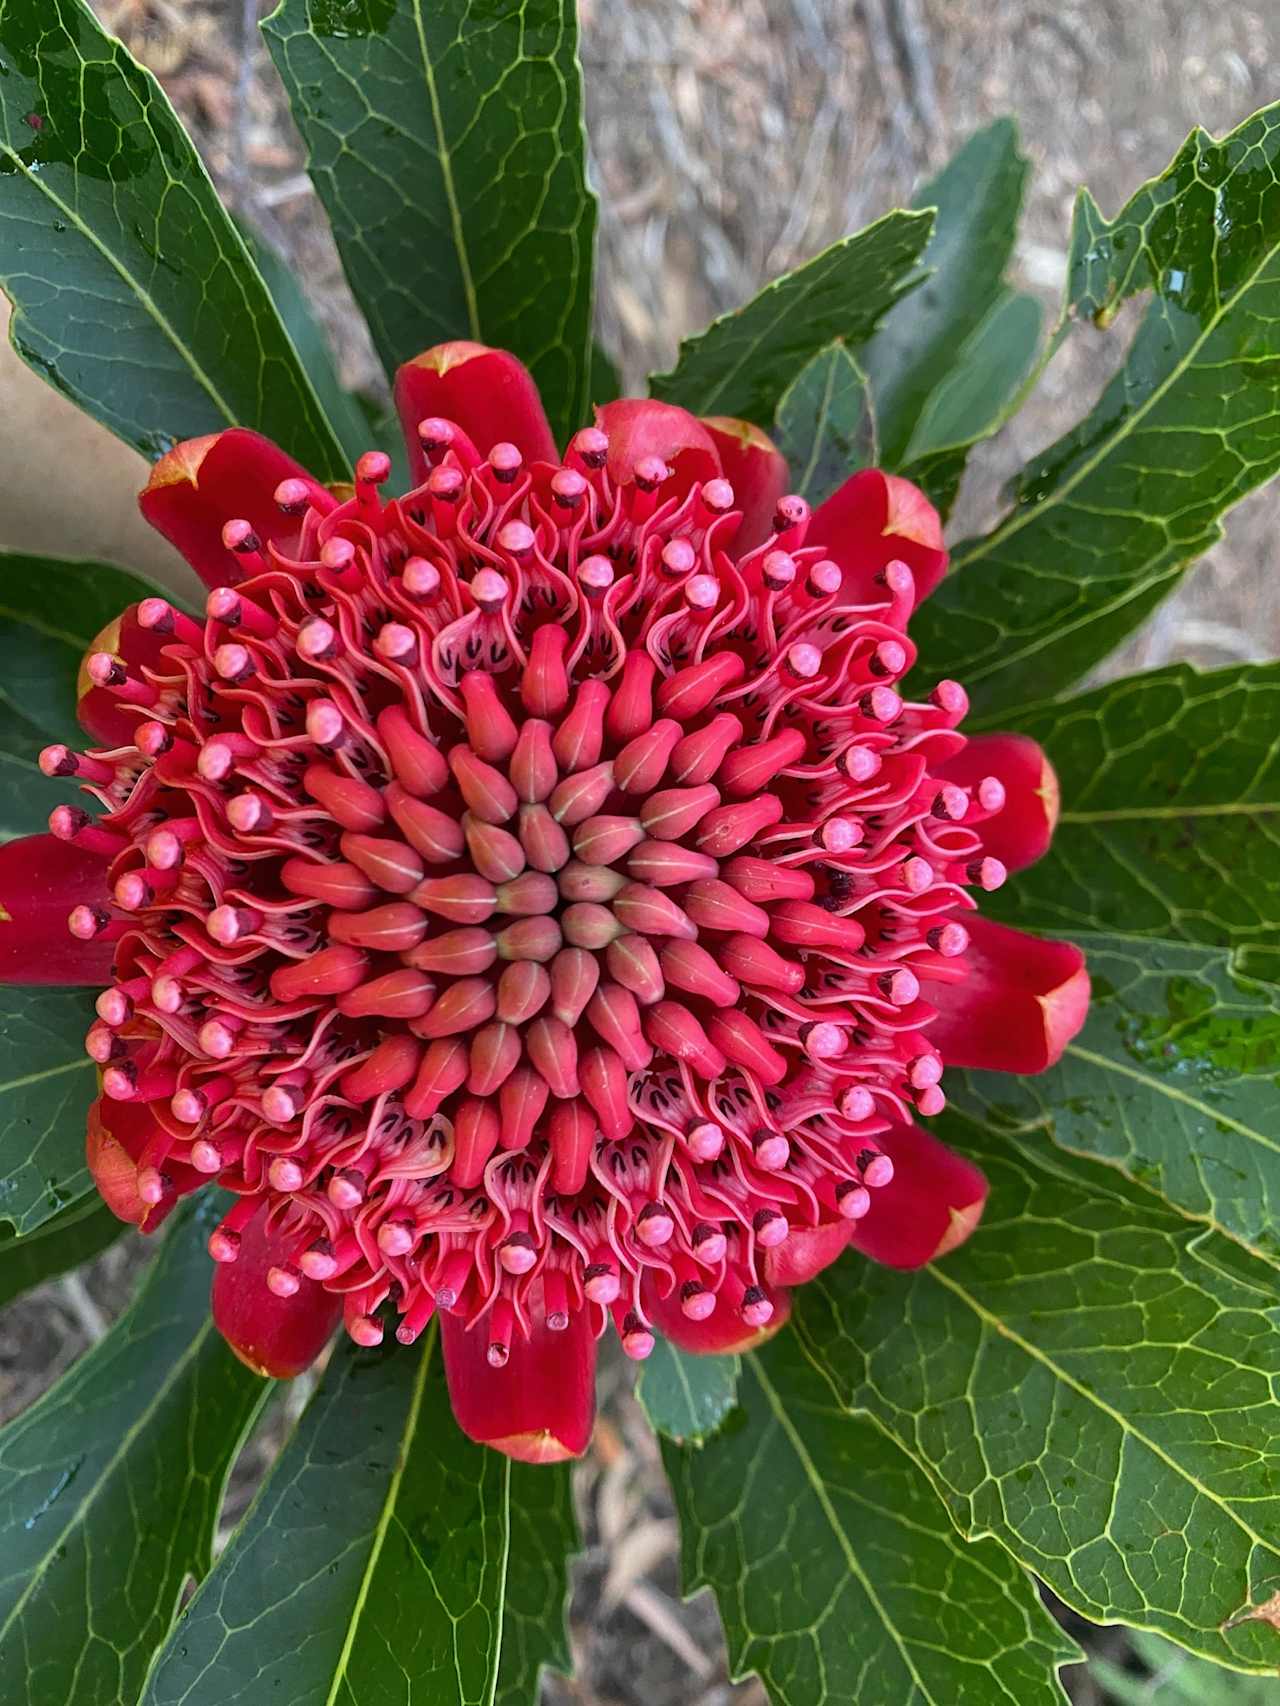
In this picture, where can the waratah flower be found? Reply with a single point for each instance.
(536, 897)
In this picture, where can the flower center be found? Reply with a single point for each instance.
(526, 899)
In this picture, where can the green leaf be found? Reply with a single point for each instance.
(686, 1397)
(1165, 868)
(26, 796)
(1089, 1383)
(1171, 819)
(342, 410)
(46, 1084)
(939, 475)
(838, 1574)
(825, 424)
(971, 399)
(975, 398)
(1108, 518)
(80, 1232)
(978, 196)
(544, 1536)
(133, 292)
(744, 361)
(380, 1553)
(51, 611)
(110, 1487)
(1172, 1079)
(446, 143)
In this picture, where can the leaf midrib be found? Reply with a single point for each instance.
(1046, 1122)
(783, 1419)
(446, 174)
(1140, 814)
(1019, 519)
(142, 295)
(1174, 1095)
(1010, 1335)
(28, 619)
(80, 1063)
(901, 217)
(385, 1516)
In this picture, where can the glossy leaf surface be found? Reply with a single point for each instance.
(684, 1396)
(1170, 825)
(1107, 519)
(744, 361)
(1166, 868)
(51, 611)
(46, 1084)
(825, 425)
(544, 1537)
(341, 408)
(110, 1487)
(1092, 1380)
(133, 292)
(978, 196)
(381, 1552)
(974, 397)
(446, 143)
(83, 1230)
(838, 1573)
(1172, 1079)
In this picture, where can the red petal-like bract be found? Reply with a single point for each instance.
(41, 880)
(1022, 1001)
(757, 471)
(275, 1330)
(483, 393)
(532, 1395)
(936, 1203)
(533, 896)
(1022, 830)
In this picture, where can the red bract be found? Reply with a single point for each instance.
(535, 897)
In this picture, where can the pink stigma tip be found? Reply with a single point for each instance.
(772, 1151)
(489, 589)
(602, 1287)
(285, 1175)
(373, 468)
(707, 1140)
(189, 1106)
(517, 537)
(757, 1311)
(325, 723)
(420, 578)
(698, 1305)
(857, 1104)
(238, 535)
(853, 1202)
(654, 1226)
(279, 1105)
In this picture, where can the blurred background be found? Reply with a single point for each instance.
(730, 140)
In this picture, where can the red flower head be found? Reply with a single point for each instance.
(535, 897)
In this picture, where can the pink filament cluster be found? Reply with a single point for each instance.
(525, 896)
